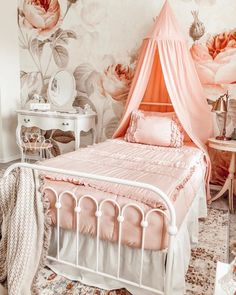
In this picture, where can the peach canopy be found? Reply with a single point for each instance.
(166, 74)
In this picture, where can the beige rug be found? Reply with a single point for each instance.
(213, 246)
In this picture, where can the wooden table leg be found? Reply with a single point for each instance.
(231, 178)
(225, 187)
(229, 184)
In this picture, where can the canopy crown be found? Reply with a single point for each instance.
(166, 26)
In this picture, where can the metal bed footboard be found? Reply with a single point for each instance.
(169, 214)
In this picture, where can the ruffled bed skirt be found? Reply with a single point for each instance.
(154, 261)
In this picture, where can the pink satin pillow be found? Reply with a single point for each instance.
(154, 128)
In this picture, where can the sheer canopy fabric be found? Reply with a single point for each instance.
(166, 73)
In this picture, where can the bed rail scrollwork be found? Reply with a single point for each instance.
(169, 214)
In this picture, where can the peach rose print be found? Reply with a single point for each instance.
(116, 81)
(42, 15)
(113, 80)
(92, 12)
(216, 66)
(106, 87)
(216, 60)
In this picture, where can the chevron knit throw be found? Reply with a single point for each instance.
(24, 233)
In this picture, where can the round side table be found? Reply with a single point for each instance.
(229, 146)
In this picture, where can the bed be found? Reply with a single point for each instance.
(126, 214)
(132, 256)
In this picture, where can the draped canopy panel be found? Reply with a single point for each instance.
(165, 73)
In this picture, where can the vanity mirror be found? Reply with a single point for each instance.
(62, 90)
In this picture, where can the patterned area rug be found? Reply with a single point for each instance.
(201, 274)
(232, 233)
(53, 284)
(213, 246)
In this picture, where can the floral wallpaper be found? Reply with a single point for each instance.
(214, 54)
(98, 42)
(215, 61)
(69, 35)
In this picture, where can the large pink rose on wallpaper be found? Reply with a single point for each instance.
(106, 86)
(42, 15)
(111, 80)
(116, 81)
(216, 66)
(216, 60)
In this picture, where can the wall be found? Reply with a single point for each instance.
(98, 41)
(9, 80)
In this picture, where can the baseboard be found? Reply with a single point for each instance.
(9, 159)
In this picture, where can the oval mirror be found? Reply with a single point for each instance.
(62, 90)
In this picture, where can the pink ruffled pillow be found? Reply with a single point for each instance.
(154, 128)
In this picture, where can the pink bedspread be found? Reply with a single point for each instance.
(176, 171)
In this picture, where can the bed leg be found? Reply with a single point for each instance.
(169, 265)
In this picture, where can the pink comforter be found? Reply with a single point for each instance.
(176, 171)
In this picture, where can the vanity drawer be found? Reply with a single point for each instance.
(46, 123)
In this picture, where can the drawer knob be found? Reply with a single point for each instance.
(26, 120)
(65, 124)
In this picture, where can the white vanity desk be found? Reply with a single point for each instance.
(47, 120)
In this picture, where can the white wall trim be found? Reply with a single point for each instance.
(10, 159)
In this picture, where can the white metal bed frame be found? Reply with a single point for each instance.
(169, 214)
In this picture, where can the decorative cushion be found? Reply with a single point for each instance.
(154, 128)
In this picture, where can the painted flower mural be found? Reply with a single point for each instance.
(86, 37)
(221, 42)
(34, 18)
(42, 15)
(48, 41)
(216, 60)
(116, 81)
(107, 88)
(45, 43)
(92, 12)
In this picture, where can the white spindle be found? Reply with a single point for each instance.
(58, 206)
(98, 214)
(172, 230)
(120, 219)
(144, 225)
(77, 210)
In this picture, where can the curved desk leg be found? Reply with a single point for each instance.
(229, 184)
(18, 141)
(77, 139)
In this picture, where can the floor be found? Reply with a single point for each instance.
(222, 203)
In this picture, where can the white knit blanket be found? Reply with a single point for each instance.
(25, 233)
